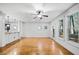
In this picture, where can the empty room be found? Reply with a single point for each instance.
(39, 28)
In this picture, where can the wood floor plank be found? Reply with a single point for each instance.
(36, 46)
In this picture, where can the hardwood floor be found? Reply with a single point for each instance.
(36, 46)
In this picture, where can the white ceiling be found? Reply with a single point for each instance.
(24, 11)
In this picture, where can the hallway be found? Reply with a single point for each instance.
(36, 46)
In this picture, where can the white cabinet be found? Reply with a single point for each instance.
(11, 37)
(8, 37)
(13, 34)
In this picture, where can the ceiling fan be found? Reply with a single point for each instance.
(40, 14)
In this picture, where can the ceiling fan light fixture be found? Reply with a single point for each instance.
(39, 16)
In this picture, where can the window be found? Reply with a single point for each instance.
(53, 32)
(74, 27)
(61, 28)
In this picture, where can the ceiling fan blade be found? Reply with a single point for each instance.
(40, 17)
(34, 17)
(45, 15)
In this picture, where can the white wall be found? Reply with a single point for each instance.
(0, 34)
(1, 31)
(35, 30)
(71, 46)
